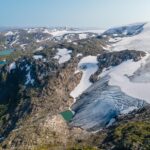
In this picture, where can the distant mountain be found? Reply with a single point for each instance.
(129, 30)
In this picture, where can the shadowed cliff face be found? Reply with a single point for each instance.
(42, 91)
(17, 79)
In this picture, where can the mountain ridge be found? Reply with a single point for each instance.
(86, 77)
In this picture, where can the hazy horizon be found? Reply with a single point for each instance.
(79, 13)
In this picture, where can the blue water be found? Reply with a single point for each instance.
(2, 62)
(67, 115)
(6, 52)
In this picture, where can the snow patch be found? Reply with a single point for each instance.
(130, 109)
(29, 80)
(57, 33)
(82, 36)
(111, 122)
(16, 40)
(40, 48)
(38, 57)
(23, 46)
(12, 66)
(75, 43)
(63, 55)
(79, 55)
(88, 66)
(9, 33)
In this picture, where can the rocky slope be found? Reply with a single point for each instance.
(106, 91)
(38, 89)
(39, 38)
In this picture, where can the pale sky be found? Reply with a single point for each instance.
(74, 13)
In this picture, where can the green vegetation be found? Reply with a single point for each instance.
(3, 109)
(17, 54)
(45, 147)
(4, 55)
(133, 135)
(75, 147)
(82, 148)
(67, 115)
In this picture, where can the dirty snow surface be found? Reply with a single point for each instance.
(63, 55)
(100, 104)
(88, 66)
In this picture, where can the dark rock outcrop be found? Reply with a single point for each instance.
(16, 85)
(112, 59)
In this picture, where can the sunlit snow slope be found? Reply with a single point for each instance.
(140, 41)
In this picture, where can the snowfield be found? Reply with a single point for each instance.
(82, 36)
(82, 33)
(135, 87)
(88, 66)
(38, 57)
(119, 76)
(12, 66)
(140, 41)
(63, 55)
(9, 33)
(113, 94)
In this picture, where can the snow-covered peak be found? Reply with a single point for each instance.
(9, 33)
(136, 42)
(146, 27)
(128, 30)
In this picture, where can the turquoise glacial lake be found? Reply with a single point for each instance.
(67, 115)
(6, 52)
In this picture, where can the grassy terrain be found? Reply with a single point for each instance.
(56, 147)
(133, 135)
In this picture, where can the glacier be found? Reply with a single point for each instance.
(120, 89)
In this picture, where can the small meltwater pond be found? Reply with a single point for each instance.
(5, 53)
(2, 62)
(67, 115)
